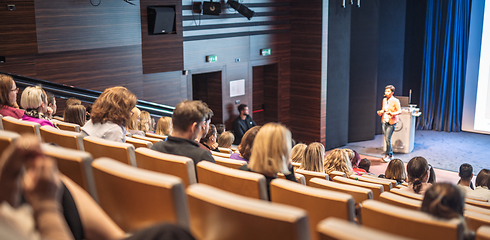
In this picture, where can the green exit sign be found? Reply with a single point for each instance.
(265, 52)
(211, 58)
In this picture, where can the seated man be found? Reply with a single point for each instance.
(465, 174)
(187, 120)
(242, 123)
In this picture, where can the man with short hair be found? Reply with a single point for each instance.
(188, 119)
(465, 174)
(242, 123)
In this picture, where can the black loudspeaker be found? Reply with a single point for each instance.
(211, 8)
(161, 20)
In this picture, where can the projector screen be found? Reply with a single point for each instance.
(476, 107)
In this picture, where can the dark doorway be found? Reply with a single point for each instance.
(265, 94)
(207, 88)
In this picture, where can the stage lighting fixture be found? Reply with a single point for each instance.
(211, 8)
(242, 9)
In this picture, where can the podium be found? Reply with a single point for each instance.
(403, 137)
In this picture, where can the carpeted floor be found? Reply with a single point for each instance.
(443, 150)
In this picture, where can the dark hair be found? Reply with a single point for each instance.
(72, 100)
(188, 112)
(211, 132)
(75, 113)
(391, 87)
(50, 97)
(115, 105)
(443, 200)
(220, 128)
(245, 147)
(241, 107)
(465, 171)
(482, 178)
(365, 164)
(417, 171)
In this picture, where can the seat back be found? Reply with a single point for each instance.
(77, 165)
(149, 139)
(225, 150)
(483, 233)
(359, 194)
(386, 183)
(98, 147)
(376, 188)
(63, 138)
(393, 182)
(245, 183)
(219, 215)
(137, 198)
(227, 162)
(310, 174)
(296, 165)
(474, 220)
(333, 174)
(299, 177)
(405, 193)
(478, 203)
(20, 127)
(339, 229)
(469, 207)
(58, 118)
(400, 201)
(68, 126)
(219, 154)
(153, 135)
(179, 166)
(6, 138)
(319, 203)
(137, 143)
(415, 224)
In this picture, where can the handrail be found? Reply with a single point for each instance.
(85, 95)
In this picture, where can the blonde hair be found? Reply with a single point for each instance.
(164, 126)
(226, 139)
(144, 124)
(133, 121)
(396, 170)
(271, 150)
(314, 157)
(298, 152)
(338, 160)
(33, 97)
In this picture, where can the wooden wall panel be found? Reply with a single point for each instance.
(17, 28)
(20, 65)
(258, 95)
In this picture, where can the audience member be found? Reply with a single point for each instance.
(35, 102)
(395, 171)
(51, 106)
(418, 175)
(209, 141)
(225, 140)
(187, 121)
(271, 153)
(205, 127)
(75, 113)
(465, 174)
(314, 157)
(337, 160)
(245, 147)
(134, 122)
(354, 158)
(242, 123)
(8, 97)
(298, 152)
(164, 126)
(110, 114)
(365, 164)
(71, 101)
(89, 110)
(220, 128)
(482, 184)
(145, 124)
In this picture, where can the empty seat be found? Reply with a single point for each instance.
(179, 166)
(477, 203)
(225, 150)
(400, 201)
(20, 127)
(227, 162)
(218, 215)
(319, 203)
(333, 174)
(409, 223)
(338, 229)
(153, 135)
(359, 194)
(386, 183)
(68, 126)
(98, 147)
(245, 183)
(137, 143)
(149, 139)
(376, 188)
(299, 177)
(67, 139)
(474, 220)
(310, 174)
(137, 198)
(408, 194)
(483, 233)
(223, 155)
(6, 138)
(77, 165)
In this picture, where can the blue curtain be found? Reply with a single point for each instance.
(444, 65)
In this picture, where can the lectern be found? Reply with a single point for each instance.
(404, 136)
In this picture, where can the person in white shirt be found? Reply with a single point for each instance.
(481, 189)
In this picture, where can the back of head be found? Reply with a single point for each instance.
(314, 157)
(33, 97)
(396, 170)
(354, 157)
(134, 119)
(220, 128)
(245, 147)
(72, 100)
(298, 152)
(337, 160)
(465, 171)
(145, 122)
(6, 85)
(114, 104)
(188, 112)
(271, 150)
(164, 126)
(226, 139)
(417, 172)
(75, 114)
(211, 133)
(482, 178)
(443, 200)
(365, 164)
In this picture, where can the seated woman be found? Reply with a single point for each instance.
(164, 126)
(8, 98)
(337, 160)
(395, 171)
(110, 114)
(134, 121)
(270, 153)
(418, 171)
(482, 184)
(75, 113)
(35, 102)
(145, 124)
(209, 140)
(226, 139)
(355, 158)
(298, 152)
(245, 147)
(314, 157)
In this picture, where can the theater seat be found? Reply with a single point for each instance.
(6, 138)
(400, 201)
(67, 139)
(219, 215)
(377, 189)
(359, 194)
(408, 194)
(98, 147)
(1, 123)
(474, 220)
(299, 177)
(137, 198)
(152, 135)
(227, 162)
(137, 143)
(386, 183)
(333, 174)
(20, 127)
(149, 139)
(310, 174)
(225, 150)
(219, 154)
(68, 126)
(338, 229)
(483, 233)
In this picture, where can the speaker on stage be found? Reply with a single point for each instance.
(161, 20)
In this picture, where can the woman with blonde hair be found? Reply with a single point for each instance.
(110, 114)
(164, 126)
(271, 153)
(134, 121)
(145, 122)
(8, 97)
(226, 139)
(395, 171)
(298, 152)
(338, 160)
(34, 100)
(314, 157)
(75, 113)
